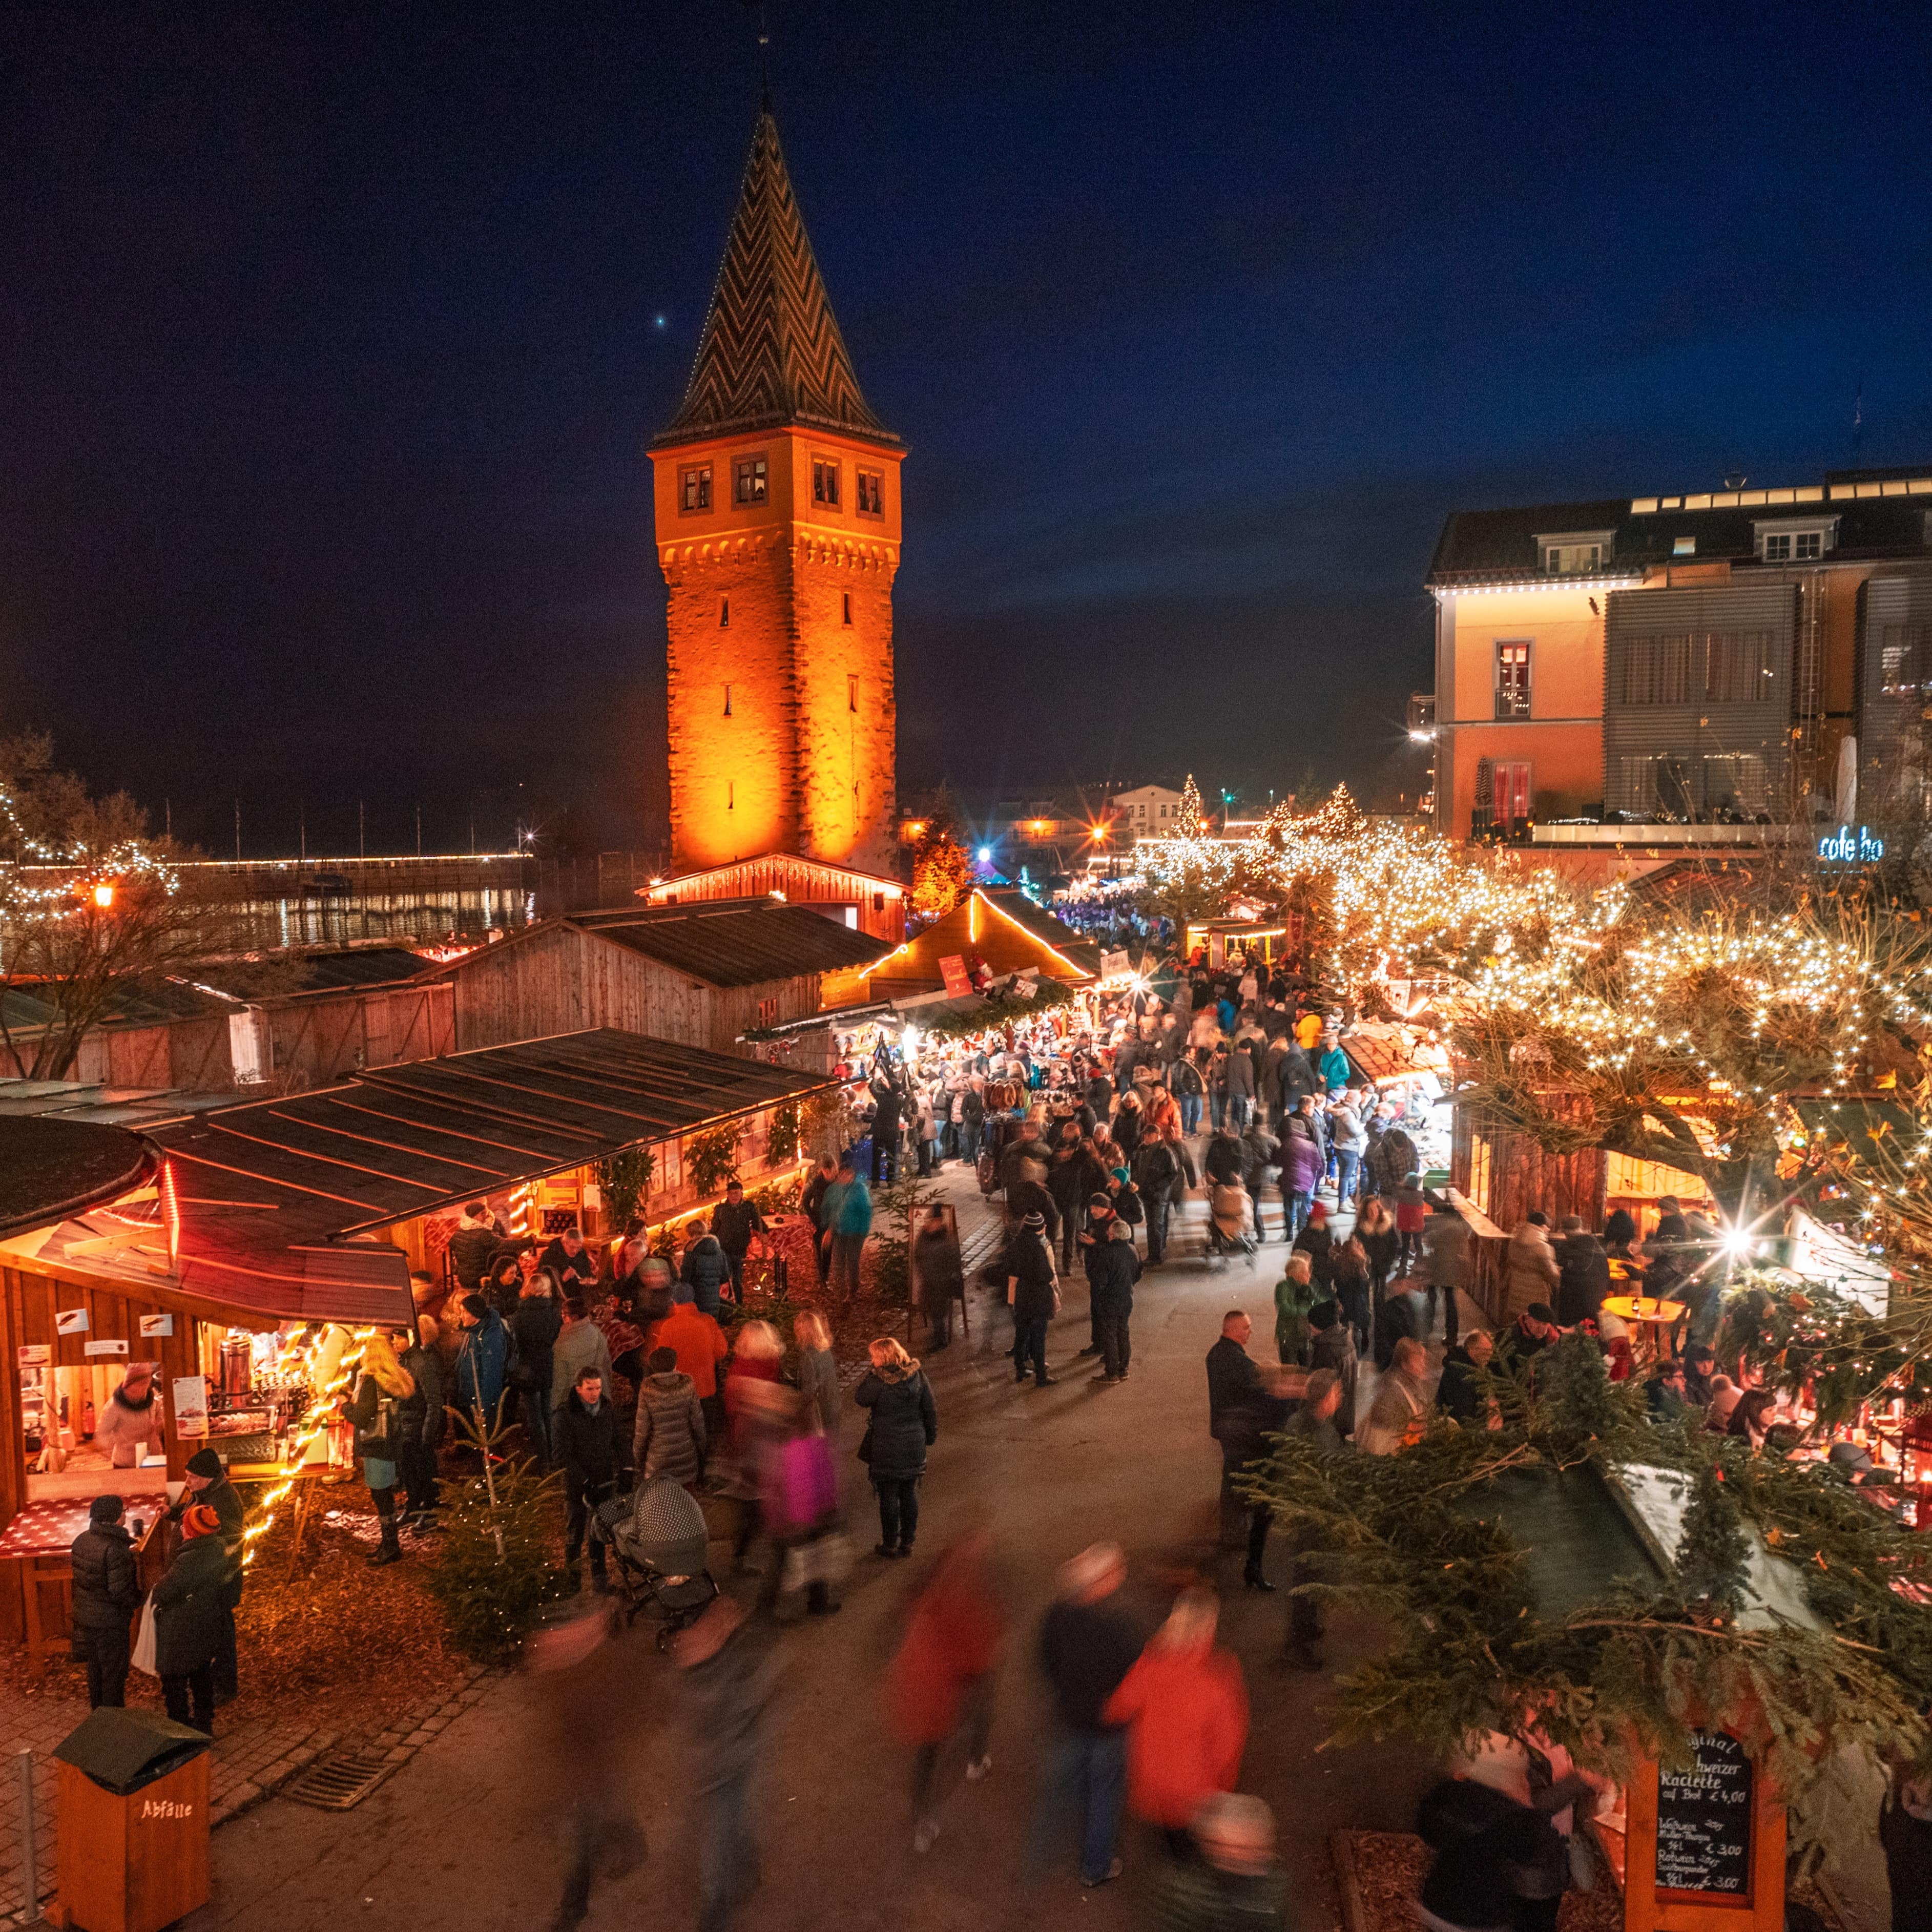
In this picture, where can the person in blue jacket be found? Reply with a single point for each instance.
(481, 1358)
(1333, 1067)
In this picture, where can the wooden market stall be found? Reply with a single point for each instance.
(995, 930)
(861, 901)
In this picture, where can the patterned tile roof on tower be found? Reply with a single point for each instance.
(771, 353)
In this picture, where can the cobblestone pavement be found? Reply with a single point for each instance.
(253, 1759)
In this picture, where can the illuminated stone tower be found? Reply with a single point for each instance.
(777, 496)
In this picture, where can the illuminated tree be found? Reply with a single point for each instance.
(1190, 821)
(942, 872)
(90, 907)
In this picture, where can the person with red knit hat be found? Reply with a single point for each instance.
(191, 1618)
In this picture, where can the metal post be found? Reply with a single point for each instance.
(30, 1870)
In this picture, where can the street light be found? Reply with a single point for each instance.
(103, 895)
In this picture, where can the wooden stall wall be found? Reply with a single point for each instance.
(28, 1305)
(564, 979)
(877, 912)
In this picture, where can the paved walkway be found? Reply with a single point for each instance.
(470, 1835)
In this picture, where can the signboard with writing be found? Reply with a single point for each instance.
(190, 1394)
(953, 968)
(35, 1355)
(1704, 1821)
(70, 1322)
(157, 1324)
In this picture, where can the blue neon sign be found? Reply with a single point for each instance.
(1844, 848)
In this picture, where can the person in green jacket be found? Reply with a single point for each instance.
(1294, 1294)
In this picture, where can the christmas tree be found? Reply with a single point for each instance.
(1191, 821)
(1713, 1554)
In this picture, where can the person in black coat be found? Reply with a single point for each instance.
(107, 1593)
(1156, 1168)
(1583, 1274)
(207, 1482)
(904, 1424)
(192, 1619)
(419, 1432)
(590, 1450)
(1458, 1393)
(1242, 1411)
(534, 1330)
(1112, 1269)
(1032, 1294)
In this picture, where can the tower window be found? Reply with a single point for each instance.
(851, 694)
(1513, 677)
(848, 607)
(727, 700)
(751, 480)
(825, 482)
(693, 489)
(730, 795)
(723, 613)
(871, 489)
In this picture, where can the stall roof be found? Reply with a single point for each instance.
(111, 1106)
(397, 1141)
(52, 1168)
(732, 944)
(274, 1194)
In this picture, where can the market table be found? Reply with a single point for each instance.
(1648, 1318)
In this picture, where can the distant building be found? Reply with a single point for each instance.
(861, 900)
(1698, 656)
(1146, 812)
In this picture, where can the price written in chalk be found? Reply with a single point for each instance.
(1703, 1820)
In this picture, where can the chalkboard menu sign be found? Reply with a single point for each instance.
(1704, 1821)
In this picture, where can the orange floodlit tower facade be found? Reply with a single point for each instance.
(777, 501)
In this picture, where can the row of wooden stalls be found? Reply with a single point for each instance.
(240, 1250)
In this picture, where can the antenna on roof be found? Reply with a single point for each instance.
(764, 51)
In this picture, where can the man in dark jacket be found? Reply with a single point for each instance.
(886, 1130)
(107, 1593)
(1583, 1273)
(811, 1206)
(734, 1222)
(1294, 1079)
(1156, 1168)
(421, 1430)
(1073, 1178)
(1087, 1645)
(1242, 1412)
(570, 1263)
(1457, 1393)
(1112, 1269)
(192, 1620)
(590, 1450)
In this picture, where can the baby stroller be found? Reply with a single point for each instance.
(1230, 1221)
(658, 1539)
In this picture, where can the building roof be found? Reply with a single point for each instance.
(51, 1168)
(771, 353)
(737, 942)
(722, 942)
(1009, 938)
(843, 879)
(398, 1141)
(1480, 546)
(279, 1199)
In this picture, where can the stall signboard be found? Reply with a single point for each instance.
(1704, 1821)
(114, 1348)
(153, 1325)
(70, 1322)
(35, 1355)
(191, 1404)
(952, 970)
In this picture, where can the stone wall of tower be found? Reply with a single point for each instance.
(733, 710)
(803, 756)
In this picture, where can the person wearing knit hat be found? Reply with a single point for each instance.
(192, 1618)
(207, 1483)
(106, 1593)
(1033, 1295)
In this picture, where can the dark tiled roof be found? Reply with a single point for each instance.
(732, 943)
(51, 1168)
(396, 1142)
(1477, 545)
(771, 353)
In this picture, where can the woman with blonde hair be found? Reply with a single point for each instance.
(818, 1375)
(1186, 1704)
(382, 1388)
(903, 1424)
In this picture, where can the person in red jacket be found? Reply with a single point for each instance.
(942, 1675)
(1186, 1707)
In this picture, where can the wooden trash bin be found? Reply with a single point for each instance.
(132, 1823)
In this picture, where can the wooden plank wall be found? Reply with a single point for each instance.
(565, 981)
(28, 1305)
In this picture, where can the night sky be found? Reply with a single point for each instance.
(331, 348)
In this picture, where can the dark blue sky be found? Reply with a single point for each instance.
(332, 348)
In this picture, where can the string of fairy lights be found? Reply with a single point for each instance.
(299, 1359)
(89, 874)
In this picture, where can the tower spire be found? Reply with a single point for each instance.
(771, 353)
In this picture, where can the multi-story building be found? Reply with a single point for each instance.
(1147, 812)
(1699, 656)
